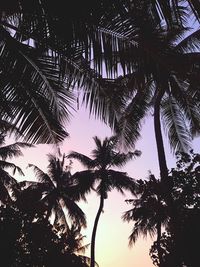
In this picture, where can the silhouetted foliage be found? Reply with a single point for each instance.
(25, 242)
(100, 177)
(55, 194)
(179, 242)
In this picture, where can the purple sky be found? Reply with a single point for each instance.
(112, 234)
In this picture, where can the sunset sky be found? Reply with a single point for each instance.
(112, 234)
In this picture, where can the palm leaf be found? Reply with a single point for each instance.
(13, 150)
(84, 182)
(35, 78)
(5, 164)
(175, 125)
(86, 161)
(73, 211)
(121, 159)
(41, 176)
(129, 126)
(121, 181)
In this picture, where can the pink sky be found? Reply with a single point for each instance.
(112, 235)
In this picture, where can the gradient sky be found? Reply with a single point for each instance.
(112, 234)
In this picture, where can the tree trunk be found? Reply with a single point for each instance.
(159, 245)
(166, 183)
(92, 264)
(159, 139)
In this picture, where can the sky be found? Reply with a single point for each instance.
(112, 234)
(112, 248)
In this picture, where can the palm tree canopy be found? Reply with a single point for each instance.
(8, 184)
(162, 61)
(43, 61)
(104, 156)
(59, 193)
(148, 210)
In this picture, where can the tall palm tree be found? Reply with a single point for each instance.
(56, 192)
(149, 212)
(8, 184)
(164, 78)
(101, 176)
(43, 61)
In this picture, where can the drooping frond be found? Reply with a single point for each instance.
(105, 100)
(5, 164)
(121, 159)
(74, 212)
(129, 126)
(189, 44)
(13, 150)
(60, 217)
(33, 81)
(84, 182)
(86, 161)
(4, 195)
(186, 96)
(175, 125)
(140, 230)
(41, 176)
(121, 181)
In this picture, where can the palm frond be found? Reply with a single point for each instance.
(41, 176)
(86, 161)
(121, 159)
(129, 126)
(99, 99)
(33, 77)
(189, 44)
(187, 98)
(13, 150)
(5, 164)
(74, 212)
(84, 182)
(4, 195)
(175, 125)
(139, 230)
(121, 181)
(60, 216)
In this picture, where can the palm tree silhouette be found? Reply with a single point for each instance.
(163, 79)
(100, 174)
(56, 193)
(149, 212)
(74, 243)
(8, 184)
(40, 62)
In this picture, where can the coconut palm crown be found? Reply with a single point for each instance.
(58, 193)
(100, 177)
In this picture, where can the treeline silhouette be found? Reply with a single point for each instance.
(128, 58)
(41, 222)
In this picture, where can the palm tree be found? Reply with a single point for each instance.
(56, 193)
(40, 62)
(8, 184)
(149, 212)
(165, 65)
(74, 243)
(100, 174)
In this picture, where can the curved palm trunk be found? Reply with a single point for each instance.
(92, 264)
(164, 170)
(159, 138)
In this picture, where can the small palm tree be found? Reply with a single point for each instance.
(8, 184)
(149, 212)
(57, 192)
(99, 173)
(74, 243)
